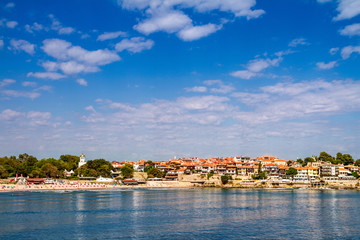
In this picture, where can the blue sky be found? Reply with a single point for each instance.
(154, 79)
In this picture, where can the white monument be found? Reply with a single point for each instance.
(82, 160)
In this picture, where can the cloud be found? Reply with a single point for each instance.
(82, 82)
(168, 16)
(244, 74)
(1, 43)
(17, 94)
(324, 1)
(221, 87)
(298, 41)
(200, 89)
(134, 45)
(35, 27)
(347, 9)
(325, 66)
(197, 32)
(57, 26)
(169, 22)
(111, 35)
(29, 84)
(39, 118)
(351, 30)
(6, 82)
(46, 75)
(22, 45)
(11, 24)
(333, 51)
(75, 59)
(255, 66)
(348, 50)
(9, 115)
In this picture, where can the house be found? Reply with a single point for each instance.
(329, 172)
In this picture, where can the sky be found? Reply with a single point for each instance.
(157, 79)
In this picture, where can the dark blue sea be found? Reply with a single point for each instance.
(181, 214)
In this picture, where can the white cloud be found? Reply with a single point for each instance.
(57, 26)
(200, 89)
(66, 30)
(22, 45)
(82, 82)
(298, 41)
(46, 75)
(6, 82)
(111, 35)
(134, 45)
(244, 74)
(324, 66)
(254, 67)
(16, 94)
(351, 30)
(348, 50)
(196, 32)
(29, 84)
(39, 118)
(221, 87)
(347, 9)
(11, 24)
(35, 27)
(75, 59)
(9, 115)
(167, 15)
(333, 51)
(169, 22)
(1, 43)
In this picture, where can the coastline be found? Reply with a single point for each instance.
(350, 185)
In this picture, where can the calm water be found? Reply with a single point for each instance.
(181, 214)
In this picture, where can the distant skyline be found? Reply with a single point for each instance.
(152, 79)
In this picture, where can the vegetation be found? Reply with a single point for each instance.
(95, 168)
(210, 174)
(152, 171)
(260, 174)
(30, 166)
(225, 178)
(291, 172)
(127, 171)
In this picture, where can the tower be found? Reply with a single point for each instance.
(82, 160)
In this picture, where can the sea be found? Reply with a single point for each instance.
(211, 213)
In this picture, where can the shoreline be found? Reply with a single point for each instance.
(169, 185)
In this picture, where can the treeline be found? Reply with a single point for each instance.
(345, 159)
(30, 166)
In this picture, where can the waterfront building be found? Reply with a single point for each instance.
(329, 172)
(82, 160)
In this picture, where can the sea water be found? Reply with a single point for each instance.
(181, 214)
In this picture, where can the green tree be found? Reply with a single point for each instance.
(291, 172)
(355, 174)
(325, 157)
(127, 171)
(49, 170)
(225, 179)
(357, 162)
(347, 159)
(3, 172)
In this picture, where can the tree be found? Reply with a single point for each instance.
(225, 179)
(357, 162)
(325, 157)
(355, 174)
(347, 159)
(3, 172)
(127, 171)
(49, 170)
(291, 172)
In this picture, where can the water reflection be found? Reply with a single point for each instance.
(181, 214)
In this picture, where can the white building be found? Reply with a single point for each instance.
(82, 160)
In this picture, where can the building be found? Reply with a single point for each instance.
(82, 160)
(329, 172)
